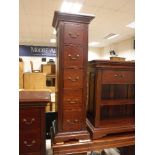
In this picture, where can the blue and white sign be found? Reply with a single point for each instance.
(38, 51)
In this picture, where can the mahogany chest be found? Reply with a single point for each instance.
(71, 85)
(32, 122)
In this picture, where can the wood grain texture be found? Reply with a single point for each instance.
(111, 141)
(111, 99)
(32, 122)
(71, 85)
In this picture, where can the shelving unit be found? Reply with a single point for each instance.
(111, 97)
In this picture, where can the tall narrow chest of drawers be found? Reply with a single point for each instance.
(32, 122)
(71, 85)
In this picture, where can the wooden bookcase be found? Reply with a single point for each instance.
(111, 98)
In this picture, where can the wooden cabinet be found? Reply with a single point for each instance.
(48, 68)
(32, 122)
(111, 101)
(71, 85)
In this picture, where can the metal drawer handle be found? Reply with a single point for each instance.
(73, 35)
(72, 101)
(73, 58)
(73, 80)
(27, 122)
(73, 122)
(119, 75)
(29, 145)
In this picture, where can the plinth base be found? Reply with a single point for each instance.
(100, 132)
(66, 136)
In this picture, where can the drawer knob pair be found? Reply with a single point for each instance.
(119, 75)
(28, 122)
(72, 101)
(73, 80)
(73, 58)
(73, 35)
(29, 145)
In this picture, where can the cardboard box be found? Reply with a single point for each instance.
(48, 68)
(117, 59)
(35, 81)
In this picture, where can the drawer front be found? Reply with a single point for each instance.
(72, 99)
(73, 78)
(30, 141)
(74, 33)
(118, 77)
(29, 119)
(33, 153)
(73, 56)
(72, 120)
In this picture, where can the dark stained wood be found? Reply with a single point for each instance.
(34, 96)
(111, 97)
(32, 122)
(111, 141)
(71, 85)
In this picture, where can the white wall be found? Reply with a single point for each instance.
(94, 53)
(36, 62)
(122, 49)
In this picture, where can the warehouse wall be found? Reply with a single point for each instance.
(36, 62)
(122, 49)
(94, 53)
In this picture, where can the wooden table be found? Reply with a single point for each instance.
(113, 141)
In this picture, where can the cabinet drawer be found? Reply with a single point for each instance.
(72, 99)
(30, 142)
(72, 120)
(73, 55)
(73, 78)
(118, 77)
(74, 33)
(29, 119)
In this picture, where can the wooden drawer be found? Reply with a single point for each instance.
(118, 77)
(72, 120)
(73, 56)
(33, 153)
(30, 142)
(74, 33)
(73, 78)
(29, 119)
(72, 99)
